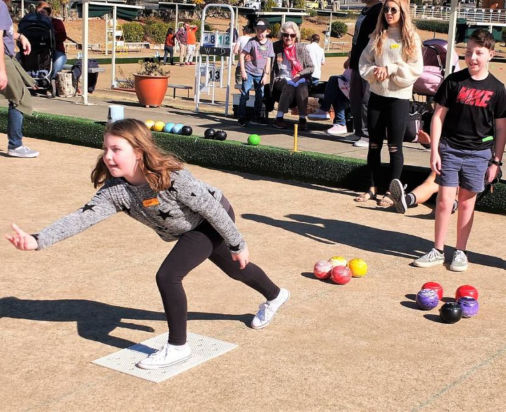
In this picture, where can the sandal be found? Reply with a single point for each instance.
(364, 197)
(386, 201)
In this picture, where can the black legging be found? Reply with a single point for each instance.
(390, 114)
(191, 250)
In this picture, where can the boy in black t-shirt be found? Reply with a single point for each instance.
(471, 103)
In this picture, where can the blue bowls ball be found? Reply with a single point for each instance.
(169, 127)
(177, 128)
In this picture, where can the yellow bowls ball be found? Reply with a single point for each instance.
(358, 268)
(149, 124)
(158, 126)
(337, 261)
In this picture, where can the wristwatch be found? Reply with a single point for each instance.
(495, 162)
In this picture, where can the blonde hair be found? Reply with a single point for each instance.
(408, 31)
(290, 25)
(155, 164)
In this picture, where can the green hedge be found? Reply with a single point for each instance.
(133, 32)
(270, 161)
(437, 26)
(338, 29)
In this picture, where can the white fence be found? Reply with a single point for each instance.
(471, 14)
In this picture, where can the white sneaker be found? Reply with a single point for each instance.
(362, 142)
(459, 261)
(433, 258)
(22, 151)
(319, 115)
(337, 130)
(268, 309)
(166, 356)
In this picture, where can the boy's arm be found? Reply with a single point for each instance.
(500, 141)
(436, 127)
(243, 69)
(267, 71)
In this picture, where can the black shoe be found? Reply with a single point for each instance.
(243, 122)
(302, 124)
(280, 123)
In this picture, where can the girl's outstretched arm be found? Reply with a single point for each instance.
(21, 240)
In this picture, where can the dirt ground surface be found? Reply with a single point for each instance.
(359, 347)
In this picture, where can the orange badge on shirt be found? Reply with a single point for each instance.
(150, 202)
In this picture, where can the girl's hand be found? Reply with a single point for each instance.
(22, 240)
(242, 257)
(381, 73)
(435, 162)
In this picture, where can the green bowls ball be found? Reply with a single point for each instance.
(254, 139)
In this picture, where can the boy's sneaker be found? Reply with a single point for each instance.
(362, 142)
(398, 196)
(459, 261)
(22, 151)
(243, 122)
(337, 130)
(433, 258)
(268, 309)
(319, 115)
(166, 356)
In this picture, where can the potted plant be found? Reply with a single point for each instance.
(151, 83)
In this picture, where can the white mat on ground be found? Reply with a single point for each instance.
(203, 349)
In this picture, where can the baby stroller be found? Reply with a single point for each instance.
(38, 29)
(421, 107)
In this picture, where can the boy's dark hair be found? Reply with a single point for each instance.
(483, 38)
(315, 38)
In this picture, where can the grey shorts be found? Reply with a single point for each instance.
(463, 167)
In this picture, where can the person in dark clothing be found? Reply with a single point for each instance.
(359, 88)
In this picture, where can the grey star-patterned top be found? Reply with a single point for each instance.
(170, 213)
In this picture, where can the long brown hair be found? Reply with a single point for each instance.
(155, 164)
(408, 31)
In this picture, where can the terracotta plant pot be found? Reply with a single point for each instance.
(150, 90)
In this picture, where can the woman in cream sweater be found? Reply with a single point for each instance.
(391, 63)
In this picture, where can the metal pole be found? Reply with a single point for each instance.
(84, 63)
(113, 56)
(451, 36)
(106, 33)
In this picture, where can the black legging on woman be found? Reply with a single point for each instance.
(390, 114)
(191, 250)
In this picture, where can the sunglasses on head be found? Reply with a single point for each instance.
(391, 10)
(292, 35)
(48, 9)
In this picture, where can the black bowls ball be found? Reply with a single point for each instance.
(186, 131)
(209, 133)
(450, 312)
(220, 135)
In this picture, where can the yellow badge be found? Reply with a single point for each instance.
(150, 202)
(394, 46)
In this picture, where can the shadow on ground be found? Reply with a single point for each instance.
(363, 237)
(95, 320)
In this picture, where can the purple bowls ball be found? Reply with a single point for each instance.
(427, 299)
(469, 306)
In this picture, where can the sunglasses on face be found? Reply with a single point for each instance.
(391, 10)
(292, 35)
